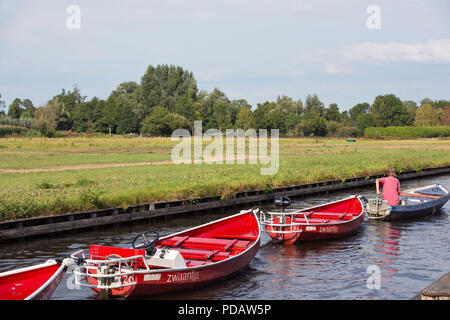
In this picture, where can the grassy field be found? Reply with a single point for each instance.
(43, 176)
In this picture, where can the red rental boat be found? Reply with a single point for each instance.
(33, 283)
(196, 257)
(326, 221)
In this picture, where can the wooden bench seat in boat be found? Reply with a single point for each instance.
(195, 254)
(205, 243)
(310, 220)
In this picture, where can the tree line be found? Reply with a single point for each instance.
(167, 98)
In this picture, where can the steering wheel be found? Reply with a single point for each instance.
(149, 244)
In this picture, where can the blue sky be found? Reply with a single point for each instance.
(255, 50)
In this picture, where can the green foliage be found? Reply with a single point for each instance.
(92, 195)
(358, 109)
(313, 124)
(167, 98)
(363, 121)
(426, 115)
(426, 132)
(347, 132)
(388, 110)
(11, 130)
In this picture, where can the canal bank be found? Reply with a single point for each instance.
(42, 226)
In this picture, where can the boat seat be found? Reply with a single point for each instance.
(195, 263)
(203, 243)
(348, 216)
(191, 254)
(248, 236)
(325, 215)
(311, 220)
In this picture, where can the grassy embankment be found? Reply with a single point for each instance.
(37, 175)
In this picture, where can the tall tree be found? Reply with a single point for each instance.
(332, 113)
(244, 118)
(28, 109)
(163, 85)
(445, 117)
(358, 109)
(411, 106)
(388, 110)
(313, 123)
(313, 104)
(15, 109)
(426, 115)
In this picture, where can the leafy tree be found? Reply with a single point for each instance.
(289, 106)
(29, 109)
(347, 131)
(313, 104)
(156, 123)
(313, 123)
(411, 107)
(175, 121)
(442, 104)
(275, 120)
(163, 85)
(291, 121)
(88, 116)
(363, 121)
(222, 115)
(332, 113)
(358, 109)
(244, 118)
(332, 127)
(212, 105)
(345, 119)
(426, 115)
(388, 110)
(15, 109)
(45, 120)
(261, 115)
(445, 117)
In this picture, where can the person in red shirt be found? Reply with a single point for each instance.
(391, 188)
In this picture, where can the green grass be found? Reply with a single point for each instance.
(408, 131)
(302, 160)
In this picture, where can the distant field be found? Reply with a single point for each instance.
(45, 176)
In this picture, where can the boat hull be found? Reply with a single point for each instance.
(192, 278)
(319, 231)
(32, 283)
(237, 239)
(421, 209)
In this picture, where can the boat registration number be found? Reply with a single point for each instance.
(152, 277)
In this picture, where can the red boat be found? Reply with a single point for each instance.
(33, 283)
(326, 221)
(185, 260)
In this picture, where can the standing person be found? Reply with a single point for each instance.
(391, 188)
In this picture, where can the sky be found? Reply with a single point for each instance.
(250, 49)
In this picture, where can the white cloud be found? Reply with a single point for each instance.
(432, 50)
(334, 68)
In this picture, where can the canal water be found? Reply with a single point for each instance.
(410, 255)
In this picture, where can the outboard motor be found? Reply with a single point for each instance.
(282, 202)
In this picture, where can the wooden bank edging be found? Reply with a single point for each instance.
(39, 226)
(438, 290)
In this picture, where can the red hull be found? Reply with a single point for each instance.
(31, 283)
(326, 221)
(212, 252)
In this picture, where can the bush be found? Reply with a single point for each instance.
(409, 131)
(347, 132)
(11, 130)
